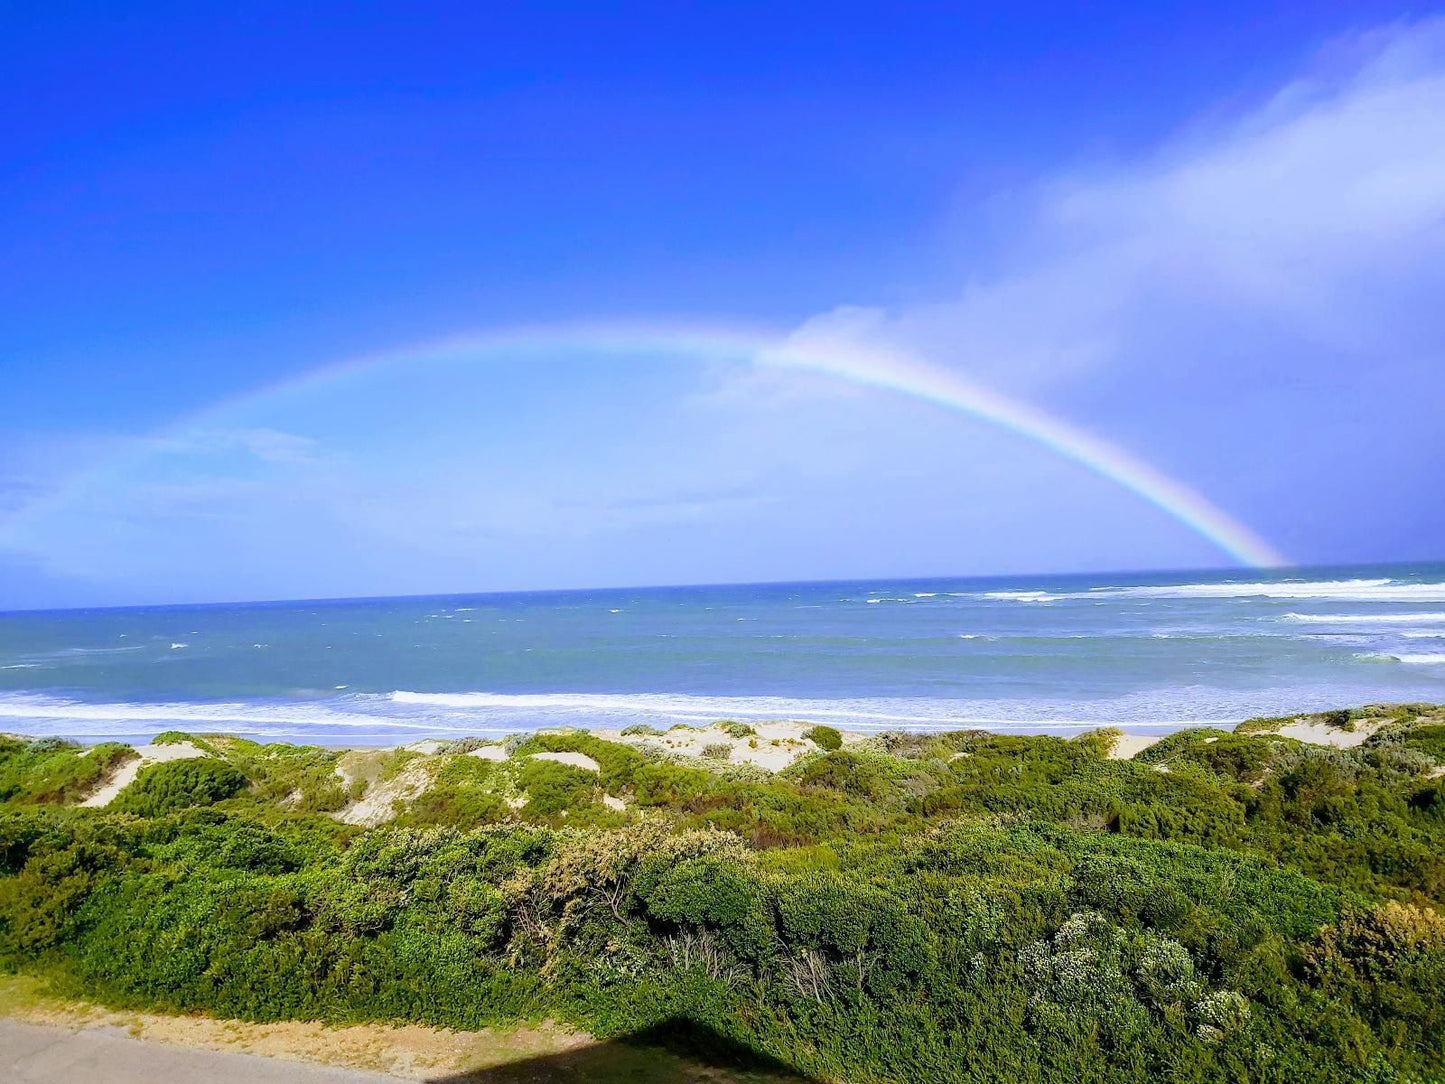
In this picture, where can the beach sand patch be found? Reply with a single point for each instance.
(1318, 733)
(1128, 746)
(577, 760)
(772, 746)
(380, 802)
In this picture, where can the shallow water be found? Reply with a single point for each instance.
(1149, 652)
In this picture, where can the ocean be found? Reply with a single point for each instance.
(1149, 652)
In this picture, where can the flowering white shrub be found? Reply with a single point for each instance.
(1221, 1013)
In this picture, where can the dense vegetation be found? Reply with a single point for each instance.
(51, 770)
(958, 907)
(180, 784)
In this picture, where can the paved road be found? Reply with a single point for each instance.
(40, 1054)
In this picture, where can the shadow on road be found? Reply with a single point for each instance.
(675, 1050)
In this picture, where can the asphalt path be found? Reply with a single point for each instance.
(44, 1054)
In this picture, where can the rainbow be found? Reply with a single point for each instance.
(888, 370)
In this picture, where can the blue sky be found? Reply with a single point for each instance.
(1210, 235)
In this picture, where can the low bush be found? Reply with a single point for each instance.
(49, 770)
(824, 737)
(737, 730)
(179, 784)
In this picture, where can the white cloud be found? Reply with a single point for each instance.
(258, 442)
(1297, 213)
(1254, 308)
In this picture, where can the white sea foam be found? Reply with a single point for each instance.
(1432, 659)
(178, 646)
(685, 707)
(1356, 590)
(81, 652)
(1368, 619)
(469, 713)
(25, 706)
(346, 718)
(1416, 635)
(1181, 708)
(1375, 590)
(264, 716)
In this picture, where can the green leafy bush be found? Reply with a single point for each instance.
(824, 737)
(50, 770)
(1429, 740)
(179, 784)
(554, 789)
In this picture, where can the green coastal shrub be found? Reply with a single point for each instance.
(465, 792)
(1429, 740)
(824, 737)
(54, 771)
(179, 784)
(554, 789)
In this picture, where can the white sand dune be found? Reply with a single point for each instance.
(1320, 734)
(773, 746)
(378, 804)
(1128, 746)
(577, 760)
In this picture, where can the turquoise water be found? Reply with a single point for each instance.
(1149, 652)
